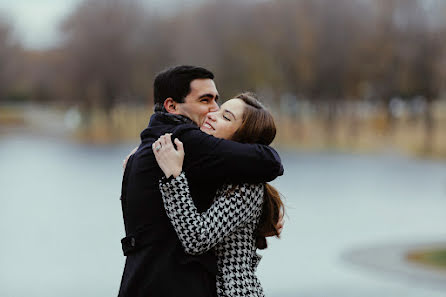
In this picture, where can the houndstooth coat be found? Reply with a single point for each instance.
(228, 226)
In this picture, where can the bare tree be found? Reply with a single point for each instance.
(10, 52)
(102, 38)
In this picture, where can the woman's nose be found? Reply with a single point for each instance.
(211, 116)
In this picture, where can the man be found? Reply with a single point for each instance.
(156, 263)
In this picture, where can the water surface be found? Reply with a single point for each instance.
(61, 224)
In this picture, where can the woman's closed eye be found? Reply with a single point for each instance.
(226, 118)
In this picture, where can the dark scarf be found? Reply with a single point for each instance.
(170, 118)
(163, 118)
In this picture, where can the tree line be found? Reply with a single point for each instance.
(322, 50)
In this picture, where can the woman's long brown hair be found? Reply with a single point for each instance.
(258, 127)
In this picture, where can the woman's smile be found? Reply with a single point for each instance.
(224, 122)
(207, 125)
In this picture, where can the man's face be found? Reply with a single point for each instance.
(202, 99)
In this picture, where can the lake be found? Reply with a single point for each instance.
(54, 245)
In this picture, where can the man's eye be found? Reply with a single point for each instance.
(205, 100)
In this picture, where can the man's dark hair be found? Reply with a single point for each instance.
(175, 82)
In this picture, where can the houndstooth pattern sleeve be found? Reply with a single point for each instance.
(199, 232)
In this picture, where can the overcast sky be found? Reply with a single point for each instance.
(36, 21)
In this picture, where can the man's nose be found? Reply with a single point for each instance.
(213, 107)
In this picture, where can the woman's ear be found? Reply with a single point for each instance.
(170, 105)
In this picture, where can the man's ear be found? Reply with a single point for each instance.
(170, 105)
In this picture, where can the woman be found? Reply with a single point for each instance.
(241, 215)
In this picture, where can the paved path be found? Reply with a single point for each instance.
(391, 260)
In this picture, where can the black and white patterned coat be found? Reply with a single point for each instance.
(228, 226)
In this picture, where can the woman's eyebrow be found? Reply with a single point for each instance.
(231, 114)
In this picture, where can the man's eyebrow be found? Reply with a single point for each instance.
(209, 96)
(231, 114)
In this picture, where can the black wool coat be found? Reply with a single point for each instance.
(156, 264)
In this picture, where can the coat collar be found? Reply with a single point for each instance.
(163, 118)
(159, 119)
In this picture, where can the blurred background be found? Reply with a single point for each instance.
(358, 90)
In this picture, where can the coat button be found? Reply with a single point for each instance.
(132, 241)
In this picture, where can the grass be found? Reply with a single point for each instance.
(369, 134)
(11, 116)
(432, 257)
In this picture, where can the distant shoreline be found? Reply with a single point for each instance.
(430, 257)
(392, 260)
(307, 133)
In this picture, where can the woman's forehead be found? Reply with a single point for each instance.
(235, 105)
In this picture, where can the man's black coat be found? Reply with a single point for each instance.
(156, 263)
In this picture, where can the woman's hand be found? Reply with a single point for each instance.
(124, 163)
(169, 159)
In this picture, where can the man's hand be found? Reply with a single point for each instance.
(169, 159)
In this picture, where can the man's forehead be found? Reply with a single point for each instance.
(203, 86)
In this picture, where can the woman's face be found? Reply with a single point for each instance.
(224, 122)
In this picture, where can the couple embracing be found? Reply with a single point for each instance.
(195, 201)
